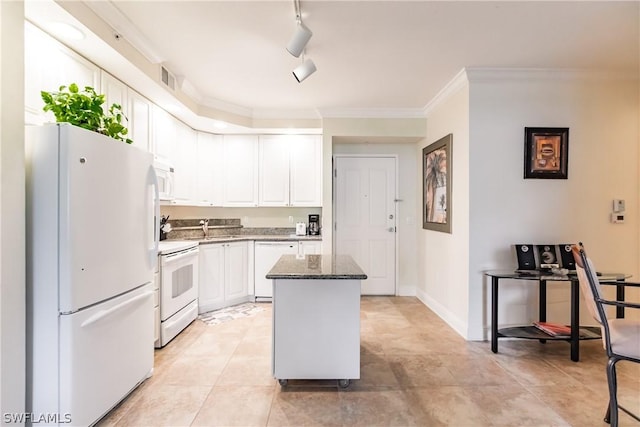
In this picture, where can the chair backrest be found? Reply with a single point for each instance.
(588, 279)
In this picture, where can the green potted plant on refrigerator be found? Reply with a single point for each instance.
(84, 109)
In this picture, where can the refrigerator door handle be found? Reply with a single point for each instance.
(105, 313)
(153, 251)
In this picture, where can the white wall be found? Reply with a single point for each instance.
(12, 211)
(443, 278)
(407, 179)
(504, 208)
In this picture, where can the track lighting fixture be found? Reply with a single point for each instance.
(299, 40)
(297, 45)
(304, 70)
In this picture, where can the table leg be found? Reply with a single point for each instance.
(542, 304)
(494, 314)
(620, 297)
(575, 321)
(542, 310)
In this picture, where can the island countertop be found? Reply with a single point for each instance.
(316, 267)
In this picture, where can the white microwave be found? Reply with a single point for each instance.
(164, 172)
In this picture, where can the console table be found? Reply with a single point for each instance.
(531, 332)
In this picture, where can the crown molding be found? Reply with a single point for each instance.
(455, 84)
(371, 113)
(480, 74)
(110, 13)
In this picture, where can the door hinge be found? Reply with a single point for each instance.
(335, 226)
(335, 173)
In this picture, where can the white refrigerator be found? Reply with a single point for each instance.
(91, 254)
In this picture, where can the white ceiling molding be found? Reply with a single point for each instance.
(455, 84)
(191, 91)
(110, 13)
(285, 114)
(371, 113)
(227, 106)
(479, 74)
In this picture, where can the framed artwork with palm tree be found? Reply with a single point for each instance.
(436, 185)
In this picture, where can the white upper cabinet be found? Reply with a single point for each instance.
(306, 171)
(240, 169)
(163, 136)
(274, 170)
(209, 177)
(115, 92)
(139, 120)
(185, 162)
(49, 65)
(290, 170)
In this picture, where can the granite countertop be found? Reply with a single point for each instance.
(256, 237)
(316, 267)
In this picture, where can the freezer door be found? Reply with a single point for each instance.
(106, 221)
(105, 351)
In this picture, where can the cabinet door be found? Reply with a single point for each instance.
(240, 168)
(115, 92)
(236, 271)
(209, 169)
(163, 133)
(310, 248)
(274, 170)
(139, 120)
(185, 163)
(211, 277)
(49, 65)
(306, 170)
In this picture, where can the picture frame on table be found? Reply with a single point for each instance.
(546, 153)
(436, 185)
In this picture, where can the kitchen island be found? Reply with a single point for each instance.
(316, 318)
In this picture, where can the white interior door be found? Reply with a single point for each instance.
(365, 192)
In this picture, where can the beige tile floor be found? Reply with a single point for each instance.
(415, 371)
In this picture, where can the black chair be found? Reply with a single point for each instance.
(620, 337)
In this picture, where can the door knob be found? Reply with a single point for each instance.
(392, 229)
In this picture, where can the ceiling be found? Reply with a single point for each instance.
(373, 57)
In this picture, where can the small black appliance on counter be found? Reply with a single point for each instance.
(314, 224)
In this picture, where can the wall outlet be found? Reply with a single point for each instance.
(617, 218)
(291, 219)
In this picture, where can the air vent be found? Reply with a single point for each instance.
(167, 78)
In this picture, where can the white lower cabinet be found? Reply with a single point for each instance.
(224, 275)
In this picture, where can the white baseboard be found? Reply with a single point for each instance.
(458, 325)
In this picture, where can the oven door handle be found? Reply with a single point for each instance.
(179, 255)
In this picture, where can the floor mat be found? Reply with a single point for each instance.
(229, 313)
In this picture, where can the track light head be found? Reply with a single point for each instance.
(299, 40)
(304, 70)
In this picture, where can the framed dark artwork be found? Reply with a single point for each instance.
(436, 185)
(546, 153)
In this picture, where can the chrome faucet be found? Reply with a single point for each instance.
(205, 226)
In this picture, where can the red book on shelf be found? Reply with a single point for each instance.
(553, 329)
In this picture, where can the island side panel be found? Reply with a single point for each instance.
(316, 329)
